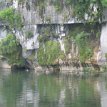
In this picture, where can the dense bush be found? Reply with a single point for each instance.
(48, 54)
(85, 51)
(12, 50)
(11, 17)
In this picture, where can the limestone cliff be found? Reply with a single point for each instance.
(45, 24)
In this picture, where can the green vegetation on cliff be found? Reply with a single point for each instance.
(12, 50)
(11, 18)
(85, 50)
(48, 54)
(49, 50)
(85, 10)
(85, 37)
(10, 47)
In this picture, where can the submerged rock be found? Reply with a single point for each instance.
(4, 64)
(38, 69)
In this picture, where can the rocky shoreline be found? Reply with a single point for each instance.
(71, 69)
(74, 69)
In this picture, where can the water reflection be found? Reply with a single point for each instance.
(103, 90)
(31, 90)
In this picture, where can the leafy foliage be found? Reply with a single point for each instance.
(9, 46)
(11, 49)
(11, 17)
(87, 10)
(85, 52)
(104, 3)
(51, 52)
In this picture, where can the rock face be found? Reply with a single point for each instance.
(37, 17)
(103, 41)
(35, 12)
(103, 38)
(28, 43)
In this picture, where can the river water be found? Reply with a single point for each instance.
(28, 89)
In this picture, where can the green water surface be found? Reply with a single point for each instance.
(29, 89)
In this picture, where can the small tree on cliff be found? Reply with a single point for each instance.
(11, 18)
(10, 46)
